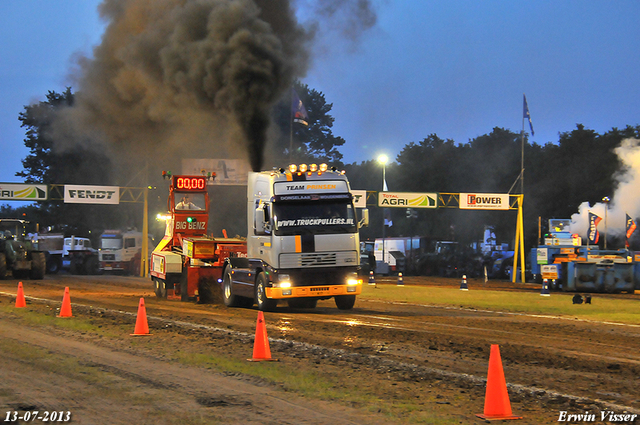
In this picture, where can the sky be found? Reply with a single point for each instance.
(454, 68)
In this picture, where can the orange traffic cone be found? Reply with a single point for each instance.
(142, 327)
(20, 301)
(261, 351)
(65, 310)
(496, 403)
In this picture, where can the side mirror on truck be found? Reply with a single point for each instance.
(364, 220)
(262, 220)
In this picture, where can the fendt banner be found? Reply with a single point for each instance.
(80, 194)
(484, 201)
(23, 192)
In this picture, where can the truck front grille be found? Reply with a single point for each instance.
(310, 260)
(317, 259)
(319, 289)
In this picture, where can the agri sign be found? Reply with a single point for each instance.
(20, 192)
(407, 200)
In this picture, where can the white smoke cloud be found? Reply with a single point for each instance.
(625, 200)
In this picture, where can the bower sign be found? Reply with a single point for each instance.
(484, 201)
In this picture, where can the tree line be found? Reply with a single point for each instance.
(558, 176)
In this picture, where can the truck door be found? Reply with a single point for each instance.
(264, 231)
(130, 248)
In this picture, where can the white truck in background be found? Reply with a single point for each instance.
(74, 253)
(389, 251)
(121, 251)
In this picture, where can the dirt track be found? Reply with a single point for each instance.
(410, 359)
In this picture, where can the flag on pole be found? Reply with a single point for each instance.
(526, 113)
(298, 110)
(594, 235)
(387, 217)
(631, 226)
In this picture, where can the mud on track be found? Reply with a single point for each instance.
(407, 360)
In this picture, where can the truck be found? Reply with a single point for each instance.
(17, 254)
(366, 249)
(79, 257)
(121, 251)
(396, 254)
(302, 241)
(74, 253)
(570, 266)
(188, 264)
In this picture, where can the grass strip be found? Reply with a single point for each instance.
(617, 310)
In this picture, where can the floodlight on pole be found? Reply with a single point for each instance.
(606, 201)
(382, 159)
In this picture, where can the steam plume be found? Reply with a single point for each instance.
(625, 199)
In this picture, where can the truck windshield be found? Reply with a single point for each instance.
(295, 218)
(189, 201)
(111, 243)
(10, 230)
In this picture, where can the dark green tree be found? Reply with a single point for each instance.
(296, 142)
(50, 161)
(491, 163)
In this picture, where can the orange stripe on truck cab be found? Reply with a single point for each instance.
(298, 240)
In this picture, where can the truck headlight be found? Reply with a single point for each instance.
(352, 279)
(284, 281)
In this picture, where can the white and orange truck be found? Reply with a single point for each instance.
(302, 242)
(121, 251)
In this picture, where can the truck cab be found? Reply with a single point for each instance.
(302, 242)
(120, 251)
(188, 263)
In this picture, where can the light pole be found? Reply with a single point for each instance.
(382, 159)
(606, 207)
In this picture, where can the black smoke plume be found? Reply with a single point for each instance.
(176, 79)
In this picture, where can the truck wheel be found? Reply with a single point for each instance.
(264, 304)
(184, 285)
(159, 288)
(506, 268)
(54, 264)
(230, 300)
(3, 267)
(38, 265)
(91, 265)
(345, 302)
(73, 266)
